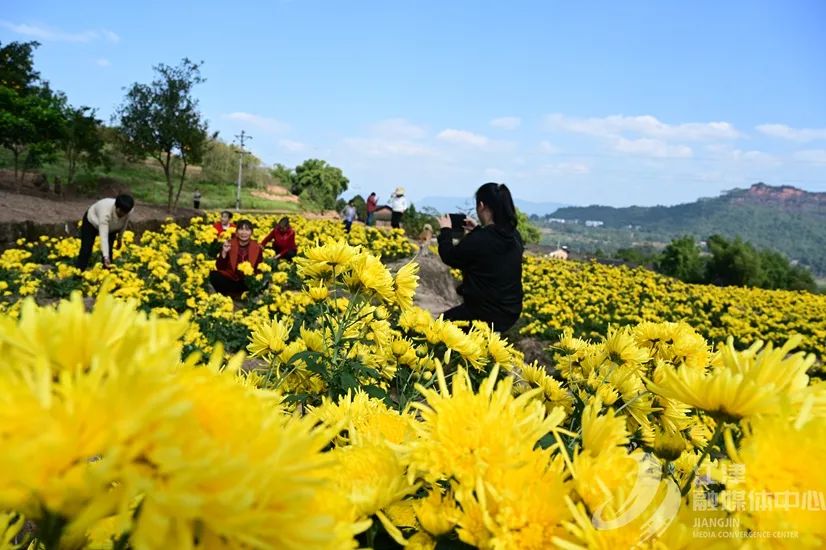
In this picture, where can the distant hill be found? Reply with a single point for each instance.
(451, 204)
(785, 218)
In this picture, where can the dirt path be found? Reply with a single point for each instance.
(24, 208)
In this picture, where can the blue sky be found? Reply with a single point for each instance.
(576, 102)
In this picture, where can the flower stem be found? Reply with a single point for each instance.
(718, 430)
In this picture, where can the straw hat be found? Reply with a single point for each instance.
(399, 191)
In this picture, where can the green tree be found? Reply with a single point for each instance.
(220, 165)
(413, 221)
(681, 259)
(283, 175)
(31, 121)
(733, 263)
(530, 233)
(779, 273)
(318, 184)
(82, 141)
(162, 120)
(635, 255)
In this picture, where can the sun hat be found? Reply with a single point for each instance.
(399, 191)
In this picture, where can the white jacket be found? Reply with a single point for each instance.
(398, 203)
(104, 218)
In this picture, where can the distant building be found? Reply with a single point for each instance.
(560, 253)
(556, 220)
(593, 223)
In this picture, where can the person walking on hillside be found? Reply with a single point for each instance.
(349, 215)
(372, 205)
(196, 199)
(283, 240)
(398, 205)
(107, 218)
(490, 257)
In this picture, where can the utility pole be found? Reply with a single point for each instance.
(240, 137)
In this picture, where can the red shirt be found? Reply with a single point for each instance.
(220, 228)
(283, 241)
(237, 254)
(372, 202)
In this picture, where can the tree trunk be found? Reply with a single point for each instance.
(70, 178)
(16, 164)
(169, 188)
(181, 183)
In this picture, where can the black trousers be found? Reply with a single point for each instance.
(196, 203)
(462, 313)
(396, 219)
(226, 286)
(88, 232)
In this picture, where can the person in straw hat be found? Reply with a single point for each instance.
(398, 204)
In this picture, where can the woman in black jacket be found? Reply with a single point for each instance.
(490, 257)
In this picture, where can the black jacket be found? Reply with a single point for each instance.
(490, 258)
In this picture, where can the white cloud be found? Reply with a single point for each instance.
(292, 146)
(724, 152)
(475, 141)
(506, 122)
(813, 156)
(378, 147)
(110, 36)
(615, 126)
(49, 34)
(494, 174)
(463, 137)
(103, 62)
(398, 128)
(548, 148)
(793, 134)
(564, 169)
(266, 124)
(652, 148)
(754, 156)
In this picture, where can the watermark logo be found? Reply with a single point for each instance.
(714, 496)
(646, 488)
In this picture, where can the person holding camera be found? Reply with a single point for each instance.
(490, 257)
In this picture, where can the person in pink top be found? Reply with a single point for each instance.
(372, 205)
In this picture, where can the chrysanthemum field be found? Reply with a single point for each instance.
(353, 419)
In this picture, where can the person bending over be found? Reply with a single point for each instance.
(490, 257)
(106, 218)
(283, 240)
(226, 279)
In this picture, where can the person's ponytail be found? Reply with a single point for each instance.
(497, 197)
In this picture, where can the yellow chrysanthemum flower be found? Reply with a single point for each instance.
(743, 384)
(407, 279)
(269, 337)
